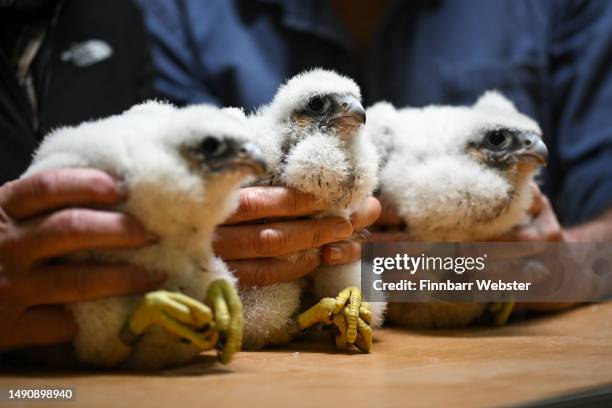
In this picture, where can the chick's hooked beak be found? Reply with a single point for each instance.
(350, 109)
(232, 155)
(532, 149)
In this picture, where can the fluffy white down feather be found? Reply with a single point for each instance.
(171, 200)
(441, 193)
(339, 172)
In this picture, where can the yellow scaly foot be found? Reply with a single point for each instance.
(348, 313)
(196, 322)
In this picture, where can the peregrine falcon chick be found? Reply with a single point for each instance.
(182, 168)
(456, 174)
(311, 135)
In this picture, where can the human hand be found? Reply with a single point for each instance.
(389, 227)
(45, 217)
(348, 251)
(274, 221)
(543, 226)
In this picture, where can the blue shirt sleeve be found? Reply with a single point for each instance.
(179, 74)
(581, 97)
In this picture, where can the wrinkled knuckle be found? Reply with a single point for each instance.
(317, 234)
(44, 184)
(269, 241)
(71, 221)
(313, 260)
(252, 201)
(297, 202)
(263, 275)
(64, 226)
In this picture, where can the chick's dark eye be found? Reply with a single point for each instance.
(317, 104)
(498, 139)
(213, 147)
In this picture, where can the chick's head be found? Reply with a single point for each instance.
(319, 101)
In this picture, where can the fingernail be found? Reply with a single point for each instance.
(155, 275)
(334, 253)
(343, 229)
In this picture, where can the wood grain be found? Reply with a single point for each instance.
(527, 360)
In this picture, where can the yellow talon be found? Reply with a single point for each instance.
(353, 312)
(341, 299)
(364, 340)
(319, 313)
(365, 312)
(176, 313)
(348, 313)
(341, 343)
(227, 307)
(502, 311)
(186, 317)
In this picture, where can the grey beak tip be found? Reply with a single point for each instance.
(541, 150)
(535, 146)
(357, 109)
(352, 107)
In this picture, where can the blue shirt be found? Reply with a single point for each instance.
(553, 58)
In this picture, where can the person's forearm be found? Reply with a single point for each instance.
(596, 230)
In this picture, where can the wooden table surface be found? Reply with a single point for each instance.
(528, 360)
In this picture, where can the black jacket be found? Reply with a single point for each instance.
(93, 62)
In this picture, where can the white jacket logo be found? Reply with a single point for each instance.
(87, 53)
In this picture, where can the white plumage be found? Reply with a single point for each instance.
(182, 168)
(311, 135)
(455, 174)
